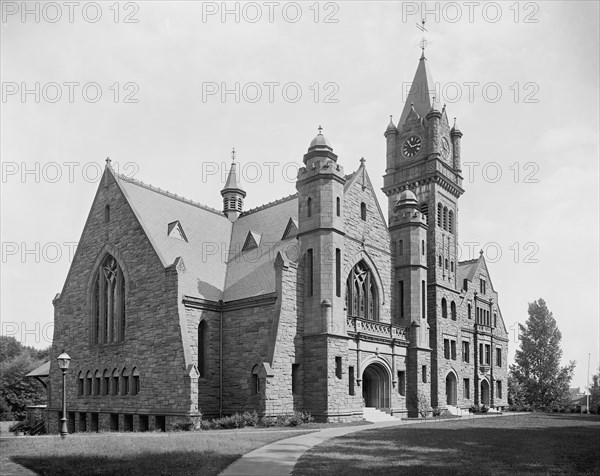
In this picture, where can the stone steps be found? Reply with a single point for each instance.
(374, 415)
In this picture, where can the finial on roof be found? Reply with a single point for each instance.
(108, 161)
(233, 154)
(423, 43)
(481, 252)
(320, 129)
(362, 161)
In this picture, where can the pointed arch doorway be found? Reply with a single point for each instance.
(485, 392)
(376, 387)
(451, 389)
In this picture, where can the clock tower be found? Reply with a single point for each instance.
(423, 156)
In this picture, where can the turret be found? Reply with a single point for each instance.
(390, 136)
(456, 134)
(233, 194)
(320, 188)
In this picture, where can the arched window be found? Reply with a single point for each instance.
(446, 218)
(115, 383)
(106, 383)
(106, 213)
(444, 308)
(425, 211)
(203, 349)
(451, 221)
(135, 381)
(363, 211)
(439, 215)
(97, 382)
(124, 382)
(423, 247)
(309, 206)
(495, 319)
(255, 381)
(108, 303)
(440, 260)
(337, 206)
(468, 311)
(361, 293)
(453, 310)
(88, 383)
(452, 266)
(80, 384)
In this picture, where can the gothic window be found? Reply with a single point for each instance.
(466, 351)
(401, 248)
(423, 299)
(108, 303)
(115, 383)
(466, 389)
(451, 221)
(88, 383)
(338, 367)
(97, 383)
(361, 293)
(452, 266)
(203, 349)
(439, 215)
(338, 272)
(309, 207)
(124, 382)
(453, 310)
(363, 211)
(440, 260)
(337, 206)
(106, 382)
(445, 218)
(423, 247)
(80, 384)
(499, 357)
(444, 308)
(424, 373)
(135, 381)
(106, 213)
(255, 384)
(468, 311)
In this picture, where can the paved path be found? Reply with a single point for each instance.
(280, 457)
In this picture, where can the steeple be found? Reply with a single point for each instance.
(421, 95)
(233, 194)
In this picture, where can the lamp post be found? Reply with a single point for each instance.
(63, 363)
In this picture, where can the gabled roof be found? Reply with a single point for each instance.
(421, 94)
(42, 371)
(362, 176)
(252, 272)
(207, 231)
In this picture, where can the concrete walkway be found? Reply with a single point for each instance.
(280, 457)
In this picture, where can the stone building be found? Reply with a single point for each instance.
(314, 302)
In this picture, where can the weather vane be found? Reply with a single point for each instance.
(423, 43)
(233, 154)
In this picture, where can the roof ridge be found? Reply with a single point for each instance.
(469, 261)
(267, 205)
(166, 193)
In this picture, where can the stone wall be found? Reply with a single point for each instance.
(152, 341)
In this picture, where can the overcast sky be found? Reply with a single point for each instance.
(166, 90)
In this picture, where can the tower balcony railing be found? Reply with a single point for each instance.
(368, 327)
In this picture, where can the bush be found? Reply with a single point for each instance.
(191, 424)
(484, 408)
(22, 425)
(437, 411)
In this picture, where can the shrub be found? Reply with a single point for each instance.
(22, 425)
(191, 424)
(437, 411)
(484, 408)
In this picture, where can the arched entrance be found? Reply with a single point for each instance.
(376, 387)
(485, 393)
(451, 389)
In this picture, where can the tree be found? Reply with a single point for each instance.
(16, 391)
(537, 372)
(595, 392)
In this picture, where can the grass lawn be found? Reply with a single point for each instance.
(509, 444)
(197, 453)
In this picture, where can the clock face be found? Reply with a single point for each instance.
(411, 146)
(445, 148)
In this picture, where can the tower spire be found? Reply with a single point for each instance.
(233, 194)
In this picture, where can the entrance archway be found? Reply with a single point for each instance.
(376, 387)
(485, 393)
(451, 389)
